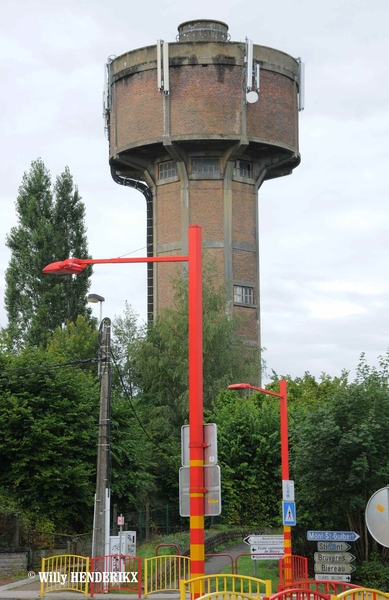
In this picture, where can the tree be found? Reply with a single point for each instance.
(154, 366)
(48, 229)
(248, 431)
(49, 415)
(162, 356)
(340, 454)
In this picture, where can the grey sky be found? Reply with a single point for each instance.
(324, 248)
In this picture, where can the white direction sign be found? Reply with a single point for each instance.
(334, 557)
(333, 546)
(265, 547)
(269, 543)
(257, 553)
(333, 577)
(343, 569)
(288, 490)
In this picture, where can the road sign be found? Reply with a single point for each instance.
(266, 541)
(212, 497)
(338, 569)
(210, 439)
(333, 546)
(120, 520)
(289, 513)
(257, 553)
(377, 516)
(334, 557)
(333, 577)
(332, 536)
(288, 490)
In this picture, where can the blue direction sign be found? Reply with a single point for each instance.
(289, 513)
(332, 536)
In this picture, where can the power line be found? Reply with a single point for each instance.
(130, 401)
(44, 368)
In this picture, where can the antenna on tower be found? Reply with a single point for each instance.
(163, 66)
(301, 85)
(252, 74)
(107, 98)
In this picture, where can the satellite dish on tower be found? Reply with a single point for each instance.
(252, 97)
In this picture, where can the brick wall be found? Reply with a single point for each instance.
(243, 212)
(206, 99)
(272, 117)
(206, 207)
(169, 213)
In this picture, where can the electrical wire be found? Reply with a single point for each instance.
(44, 368)
(137, 250)
(130, 401)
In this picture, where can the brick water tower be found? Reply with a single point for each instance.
(197, 126)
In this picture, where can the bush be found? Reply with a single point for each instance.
(374, 573)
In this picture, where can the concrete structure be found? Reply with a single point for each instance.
(198, 125)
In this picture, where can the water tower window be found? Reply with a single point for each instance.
(244, 169)
(243, 294)
(205, 166)
(167, 169)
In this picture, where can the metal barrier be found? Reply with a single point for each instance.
(65, 572)
(226, 596)
(362, 593)
(221, 554)
(164, 545)
(234, 584)
(164, 573)
(299, 594)
(325, 587)
(299, 567)
(115, 572)
(268, 557)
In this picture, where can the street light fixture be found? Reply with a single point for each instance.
(95, 298)
(73, 266)
(282, 395)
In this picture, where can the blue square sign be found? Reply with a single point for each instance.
(289, 513)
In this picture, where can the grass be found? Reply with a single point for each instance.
(265, 569)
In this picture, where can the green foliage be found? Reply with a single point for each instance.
(153, 363)
(162, 358)
(265, 570)
(48, 438)
(249, 456)
(49, 229)
(374, 573)
(340, 455)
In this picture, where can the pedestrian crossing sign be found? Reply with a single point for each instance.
(289, 513)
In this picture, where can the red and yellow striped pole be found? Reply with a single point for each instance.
(288, 575)
(196, 435)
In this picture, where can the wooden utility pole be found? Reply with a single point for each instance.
(103, 444)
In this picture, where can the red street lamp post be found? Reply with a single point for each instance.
(73, 266)
(284, 457)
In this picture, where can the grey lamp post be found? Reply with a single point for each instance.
(95, 298)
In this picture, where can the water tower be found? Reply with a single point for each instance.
(197, 126)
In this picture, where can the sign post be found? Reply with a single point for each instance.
(332, 561)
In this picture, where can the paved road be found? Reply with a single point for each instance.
(216, 564)
(29, 590)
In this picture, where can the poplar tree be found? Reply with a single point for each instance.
(50, 228)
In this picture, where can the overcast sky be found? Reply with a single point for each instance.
(323, 230)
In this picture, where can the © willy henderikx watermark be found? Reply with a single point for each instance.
(84, 576)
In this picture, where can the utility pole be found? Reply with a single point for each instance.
(102, 498)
